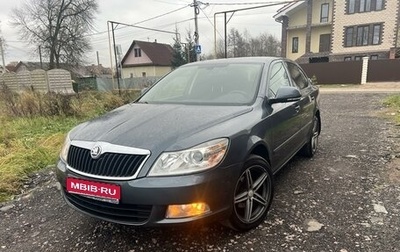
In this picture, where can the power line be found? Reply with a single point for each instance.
(212, 24)
(252, 3)
(140, 22)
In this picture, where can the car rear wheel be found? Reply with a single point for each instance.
(311, 146)
(253, 195)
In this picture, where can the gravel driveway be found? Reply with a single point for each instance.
(347, 198)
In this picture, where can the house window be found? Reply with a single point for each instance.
(362, 35)
(360, 6)
(131, 75)
(295, 45)
(143, 74)
(376, 37)
(374, 57)
(348, 58)
(138, 52)
(324, 42)
(324, 13)
(358, 58)
(368, 5)
(351, 6)
(379, 5)
(349, 36)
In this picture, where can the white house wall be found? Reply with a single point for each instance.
(301, 34)
(131, 59)
(128, 72)
(316, 10)
(316, 32)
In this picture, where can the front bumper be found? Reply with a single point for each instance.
(144, 200)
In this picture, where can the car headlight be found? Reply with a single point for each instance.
(198, 158)
(65, 148)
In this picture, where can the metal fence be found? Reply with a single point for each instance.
(346, 72)
(387, 70)
(351, 72)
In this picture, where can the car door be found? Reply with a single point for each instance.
(282, 118)
(306, 104)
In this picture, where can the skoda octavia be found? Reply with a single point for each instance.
(201, 144)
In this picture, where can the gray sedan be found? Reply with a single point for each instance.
(201, 144)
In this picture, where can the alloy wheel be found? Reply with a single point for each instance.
(253, 194)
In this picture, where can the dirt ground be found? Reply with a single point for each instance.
(346, 198)
(379, 87)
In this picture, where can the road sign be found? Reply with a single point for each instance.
(197, 49)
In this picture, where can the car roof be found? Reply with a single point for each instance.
(264, 60)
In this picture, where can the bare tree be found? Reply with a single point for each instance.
(237, 44)
(244, 45)
(59, 27)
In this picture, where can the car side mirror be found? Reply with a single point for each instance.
(286, 94)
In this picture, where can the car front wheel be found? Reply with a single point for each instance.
(253, 195)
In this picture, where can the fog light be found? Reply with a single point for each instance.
(188, 210)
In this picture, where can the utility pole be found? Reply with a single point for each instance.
(116, 60)
(2, 55)
(98, 59)
(196, 27)
(40, 57)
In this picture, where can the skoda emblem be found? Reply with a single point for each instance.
(95, 152)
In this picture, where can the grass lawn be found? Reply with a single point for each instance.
(393, 103)
(30, 139)
(28, 145)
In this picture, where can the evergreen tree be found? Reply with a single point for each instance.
(178, 55)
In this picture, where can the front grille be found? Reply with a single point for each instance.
(108, 165)
(121, 213)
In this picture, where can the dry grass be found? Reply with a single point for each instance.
(33, 127)
(393, 103)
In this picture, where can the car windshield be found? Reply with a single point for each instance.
(218, 84)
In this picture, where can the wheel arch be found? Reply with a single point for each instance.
(259, 148)
(318, 114)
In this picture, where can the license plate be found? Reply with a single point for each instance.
(96, 190)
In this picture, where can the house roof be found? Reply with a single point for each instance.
(159, 54)
(287, 9)
(78, 70)
(11, 68)
(30, 66)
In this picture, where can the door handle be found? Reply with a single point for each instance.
(297, 108)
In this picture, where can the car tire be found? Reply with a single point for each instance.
(252, 196)
(310, 148)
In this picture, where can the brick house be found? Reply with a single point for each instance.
(145, 59)
(339, 30)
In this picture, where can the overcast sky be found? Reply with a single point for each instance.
(134, 11)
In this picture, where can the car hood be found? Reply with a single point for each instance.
(154, 126)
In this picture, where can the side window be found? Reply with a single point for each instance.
(297, 76)
(278, 77)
